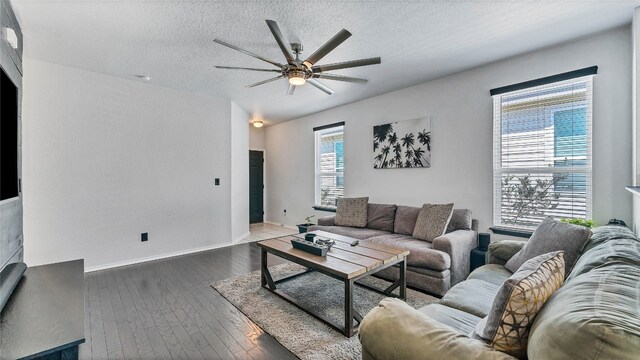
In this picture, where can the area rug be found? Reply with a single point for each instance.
(304, 335)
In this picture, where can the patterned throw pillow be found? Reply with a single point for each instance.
(518, 301)
(432, 221)
(352, 212)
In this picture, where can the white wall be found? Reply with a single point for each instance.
(257, 140)
(461, 109)
(636, 119)
(239, 173)
(106, 159)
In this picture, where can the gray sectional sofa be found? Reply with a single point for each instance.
(431, 266)
(594, 315)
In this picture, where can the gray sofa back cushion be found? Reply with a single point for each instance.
(405, 221)
(596, 311)
(553, 235)
(381, 216)
(460, 220)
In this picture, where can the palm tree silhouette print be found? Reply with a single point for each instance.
(392, 151)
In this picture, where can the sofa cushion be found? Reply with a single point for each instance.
(593, 316)
(432, 221)
(492, 273)
(460, 220)
(421, 254)
(357, 233)
(352, 212)
(458, 320)
(553, 235)
(472, 296)
(381, 216)
(606, 244)
(518, 301)
(405, 221)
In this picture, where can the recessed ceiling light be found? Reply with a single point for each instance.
(143, 77)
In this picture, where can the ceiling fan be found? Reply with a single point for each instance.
(299, 72)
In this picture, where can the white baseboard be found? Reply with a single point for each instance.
(239, 239)
(283, 225)
(155, 257)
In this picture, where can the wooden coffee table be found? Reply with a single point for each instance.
(343, 262)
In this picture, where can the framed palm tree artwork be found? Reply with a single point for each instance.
(402, 144)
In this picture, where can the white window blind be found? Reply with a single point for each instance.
(542, 153)
(329, 164)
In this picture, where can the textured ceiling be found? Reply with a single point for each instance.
(171, 41)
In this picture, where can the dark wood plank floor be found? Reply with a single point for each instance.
(166, 309)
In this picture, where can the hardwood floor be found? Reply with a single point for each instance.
(166, 309)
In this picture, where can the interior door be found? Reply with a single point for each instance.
(256, 186)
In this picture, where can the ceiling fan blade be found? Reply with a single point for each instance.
(320, 86)
(338, 39)
(291, 89)
(340, 78)
(275, 30)
(246, 52)
(266, 81)
(244, 68)
(346, 64)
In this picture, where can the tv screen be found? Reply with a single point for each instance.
(8, 138)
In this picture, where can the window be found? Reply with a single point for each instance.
(329, 183)
(542, 153)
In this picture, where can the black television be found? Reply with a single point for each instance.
(8, 138)
(10, 270)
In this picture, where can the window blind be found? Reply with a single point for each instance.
(542, 153)
(329, 164)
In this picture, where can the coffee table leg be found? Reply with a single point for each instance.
(348, 308)
(265, 275)
(263, 267)
(403, 280)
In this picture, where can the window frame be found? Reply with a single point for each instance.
(499, 170)
(318, 174)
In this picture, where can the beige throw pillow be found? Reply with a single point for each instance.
(352, 212)
(432, 221)
(518, 301)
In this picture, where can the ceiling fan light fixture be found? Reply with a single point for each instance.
(258, 123)
(297, 81)
(297, 77)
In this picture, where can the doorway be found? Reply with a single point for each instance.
(256, 186)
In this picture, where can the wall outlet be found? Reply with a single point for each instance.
(285, 212)
(217, 181)
(144, 237)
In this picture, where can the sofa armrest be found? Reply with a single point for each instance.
(458, 244)
(502, 250)
(327, 220)
(394, 330)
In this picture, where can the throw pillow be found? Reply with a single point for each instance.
(352, 212)
(405, 221)
(381, 216)
(518, 301)
(553, 235)
(432, 221)
(460, 220)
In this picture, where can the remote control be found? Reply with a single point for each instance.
(354, 243)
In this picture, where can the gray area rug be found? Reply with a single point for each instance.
(304, 335)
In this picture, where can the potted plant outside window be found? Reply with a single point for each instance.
(302, 228)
